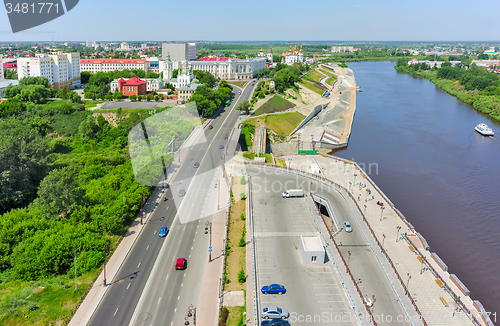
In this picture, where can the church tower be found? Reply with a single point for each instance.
(270, 54)
(167, 67)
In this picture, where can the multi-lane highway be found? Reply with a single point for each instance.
(141, 295)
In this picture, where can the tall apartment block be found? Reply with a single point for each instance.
(61, 69)
(179, 51)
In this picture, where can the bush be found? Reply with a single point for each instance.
(243, 181)
(243, 196)
(242, 277)
(242, 217)
(242, 242)
(223, 316)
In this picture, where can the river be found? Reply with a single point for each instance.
(440, 173)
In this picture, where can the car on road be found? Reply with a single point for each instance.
(240, 92)
(273, 312)
(180, 263)
(182, 192)
(163, 232)
(221, 146)
(347, 226)
(273, 289)
(275, 322)
(210, 127)
(197, 164)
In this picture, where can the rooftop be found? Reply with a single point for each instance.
(112, 61)
(312, 243)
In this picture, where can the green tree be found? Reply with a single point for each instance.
(244, 106)
(152, 75)
(133, 98)
(118, 95)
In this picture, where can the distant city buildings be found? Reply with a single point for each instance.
(61, 69)
(106, 65)
(179, 51)
(268, 55)
(91, 44)
(342, 49)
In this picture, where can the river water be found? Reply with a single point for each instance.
(440, 173)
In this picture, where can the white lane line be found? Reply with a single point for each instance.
(178, 298)
(182, 284)
(184, 275)
(116, 311)
(154, 233)
(179, 241)
(184, 228)
(167, 208)
(175, 310)
(147, 247)
(194, 240)
(128, 285)
(171, 323)
(138, 265)
(159, 300)
(191, 248)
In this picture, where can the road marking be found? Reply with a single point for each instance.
(189, 256)
(128, 286)
(116, 311)
(147, 247)
(171, 323)
(167, 207)
(179, 241)
(191, 248)
(184, 275)
(182, 284)
(184, 228)
(154, 233)
(159, 300)
(194, 240)
(166, 278)
(138, 265)
(178, 298)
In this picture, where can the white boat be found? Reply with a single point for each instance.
(484, 130)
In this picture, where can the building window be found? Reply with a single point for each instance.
(313, 258)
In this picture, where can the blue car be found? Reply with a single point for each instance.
(275, 322)
(163, 232)
(273, 289)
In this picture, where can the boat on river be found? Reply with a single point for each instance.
(484, 130)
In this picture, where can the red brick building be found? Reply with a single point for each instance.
(133, 86)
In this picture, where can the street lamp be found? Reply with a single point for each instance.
(408, 282)
(76, 287)
(397, 236)
(191, 313)
(350, 184)
(348, 257)
(383, 241)
(381, 212)
(207, 226)
(365, 210)
(354, 181)
(345, 163)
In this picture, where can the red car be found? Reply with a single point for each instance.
(180, 263)
(210, 127)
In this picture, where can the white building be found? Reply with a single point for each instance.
(179, 51)
(185, 83)
(105, 65)
(91, 44)
(61, 69)
(268, 55)
(223, 68)
(124, 46)
(342, 49)
(312, 250)
(293, 56)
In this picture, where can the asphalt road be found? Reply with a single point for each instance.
(313, 290)
(282, 216)
(168, 288)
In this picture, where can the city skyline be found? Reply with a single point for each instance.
(268, 21)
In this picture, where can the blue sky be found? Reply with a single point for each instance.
(270, 20)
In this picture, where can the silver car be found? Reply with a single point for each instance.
(274, 312)
(347, 226)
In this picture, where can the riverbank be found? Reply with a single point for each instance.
(483, 103)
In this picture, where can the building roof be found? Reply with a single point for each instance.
(10, 65)
(213, 59)
(112, 61)
(134, 81)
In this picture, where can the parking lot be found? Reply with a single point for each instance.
(313, 291)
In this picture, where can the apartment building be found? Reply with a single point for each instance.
(1, 65)
(105, 65)
(61, 69)
(179, 51)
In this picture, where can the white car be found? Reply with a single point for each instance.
(347, 226)
(274, 312)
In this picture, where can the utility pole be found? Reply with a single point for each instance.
(105, 255)
(383, 241)
(207, 226)
(398, 228)
(76, 287)
(408, 283)
(381, 212)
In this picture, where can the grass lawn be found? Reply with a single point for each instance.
(282, 124)
(235, 257)
(92, 104)
(330, 81)
(249, 155)
(280, 162)
(328, 73)
(238, 83)
(274, 104)
(235, 315)
(313, 86)
(313, 76)
(247, 132)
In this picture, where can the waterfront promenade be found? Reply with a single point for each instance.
(439, 297)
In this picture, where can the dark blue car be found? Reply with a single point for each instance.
(273, 289)
(163, 231)
(275, 322)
